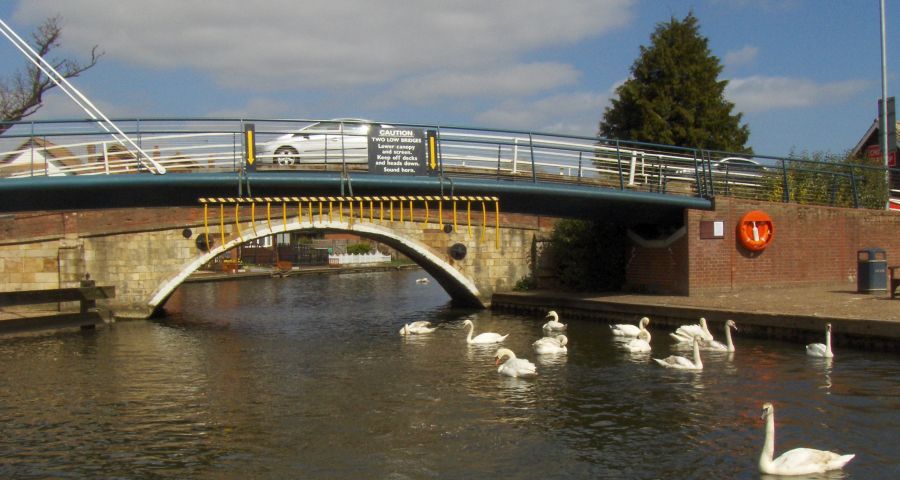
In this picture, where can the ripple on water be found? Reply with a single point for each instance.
(308, 377)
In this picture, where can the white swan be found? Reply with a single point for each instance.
(799, 461)
(729, 345)
(628, 330)
(554, 323)
(550, 345)
(679, 362)
(819, 350)
(482, 338)
(422, 281)
(417, 327)
(641, 343)
(514, 367)
(686, 333)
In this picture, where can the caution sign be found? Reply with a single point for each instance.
(401, 151)
(250, 146)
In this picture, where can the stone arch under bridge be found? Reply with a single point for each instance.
(146, 254)
(460, 282)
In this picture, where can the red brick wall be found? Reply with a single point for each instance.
(811, 246)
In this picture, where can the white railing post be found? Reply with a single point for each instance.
(105, 159)
(632, 168)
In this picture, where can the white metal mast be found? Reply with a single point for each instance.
(79, 98)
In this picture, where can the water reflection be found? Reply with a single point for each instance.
(308, 377)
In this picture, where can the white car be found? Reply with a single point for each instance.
(738, 166)
(332, 141)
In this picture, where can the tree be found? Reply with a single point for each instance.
(588, 256)
(22, 94)
(674, 96)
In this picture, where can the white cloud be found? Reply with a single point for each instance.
(765, 5)
(256, 107)
(56, 104)
(758, 93)
(289, 44)
(502, 81)
(740, 57)
(574, 113)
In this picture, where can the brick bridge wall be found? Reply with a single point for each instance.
(812, 245)
(142, 250)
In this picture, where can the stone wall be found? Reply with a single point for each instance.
(145, 253)
(30, 266)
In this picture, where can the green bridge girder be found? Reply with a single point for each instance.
(147, 190)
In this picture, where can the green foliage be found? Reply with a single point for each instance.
(588, 256)
(674, 96)
(823, 179)
(359, 248)
(524, 284)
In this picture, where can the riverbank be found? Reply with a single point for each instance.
(796, 314)
(262, 272)
(36, 318)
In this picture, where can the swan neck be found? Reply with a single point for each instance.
(728, 341)
(768, 451)
(697, 361)
(828, 341)
(471, 329)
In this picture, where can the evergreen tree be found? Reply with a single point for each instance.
(674, 96)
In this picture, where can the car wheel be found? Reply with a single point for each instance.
(285, 155)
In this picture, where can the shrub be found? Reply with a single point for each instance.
(589, 256)
(359, 248)
(524, 284)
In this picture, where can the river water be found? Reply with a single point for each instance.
(307, 377)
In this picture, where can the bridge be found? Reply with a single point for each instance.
(79, 199)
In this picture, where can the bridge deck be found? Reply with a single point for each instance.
(562, 199)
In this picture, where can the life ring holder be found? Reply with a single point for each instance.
(755, 230)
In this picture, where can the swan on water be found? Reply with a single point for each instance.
(514, 367)
(679, 362)
(550, 345)
(417, 327)
(553, 323)
(799, 461)
(641, 343)
(686, 333)
(819, 350)
(482, 338)
(728, 346)
(628, 330)
(422, 281)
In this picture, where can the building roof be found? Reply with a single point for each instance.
(871, 138)
(63, 155)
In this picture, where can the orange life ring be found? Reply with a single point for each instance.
(755, 230)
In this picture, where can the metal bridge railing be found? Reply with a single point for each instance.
(186, 145)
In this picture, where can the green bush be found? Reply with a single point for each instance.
(825, 179)
(359, 248)
(589, 256)
(524, 284)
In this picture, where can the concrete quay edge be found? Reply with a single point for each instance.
(801, 328)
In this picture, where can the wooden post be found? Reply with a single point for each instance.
(88, 306)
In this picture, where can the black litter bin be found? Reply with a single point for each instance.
(871, 270)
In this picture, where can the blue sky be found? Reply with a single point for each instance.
(805, 73)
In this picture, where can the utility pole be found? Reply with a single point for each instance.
(884, 113)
